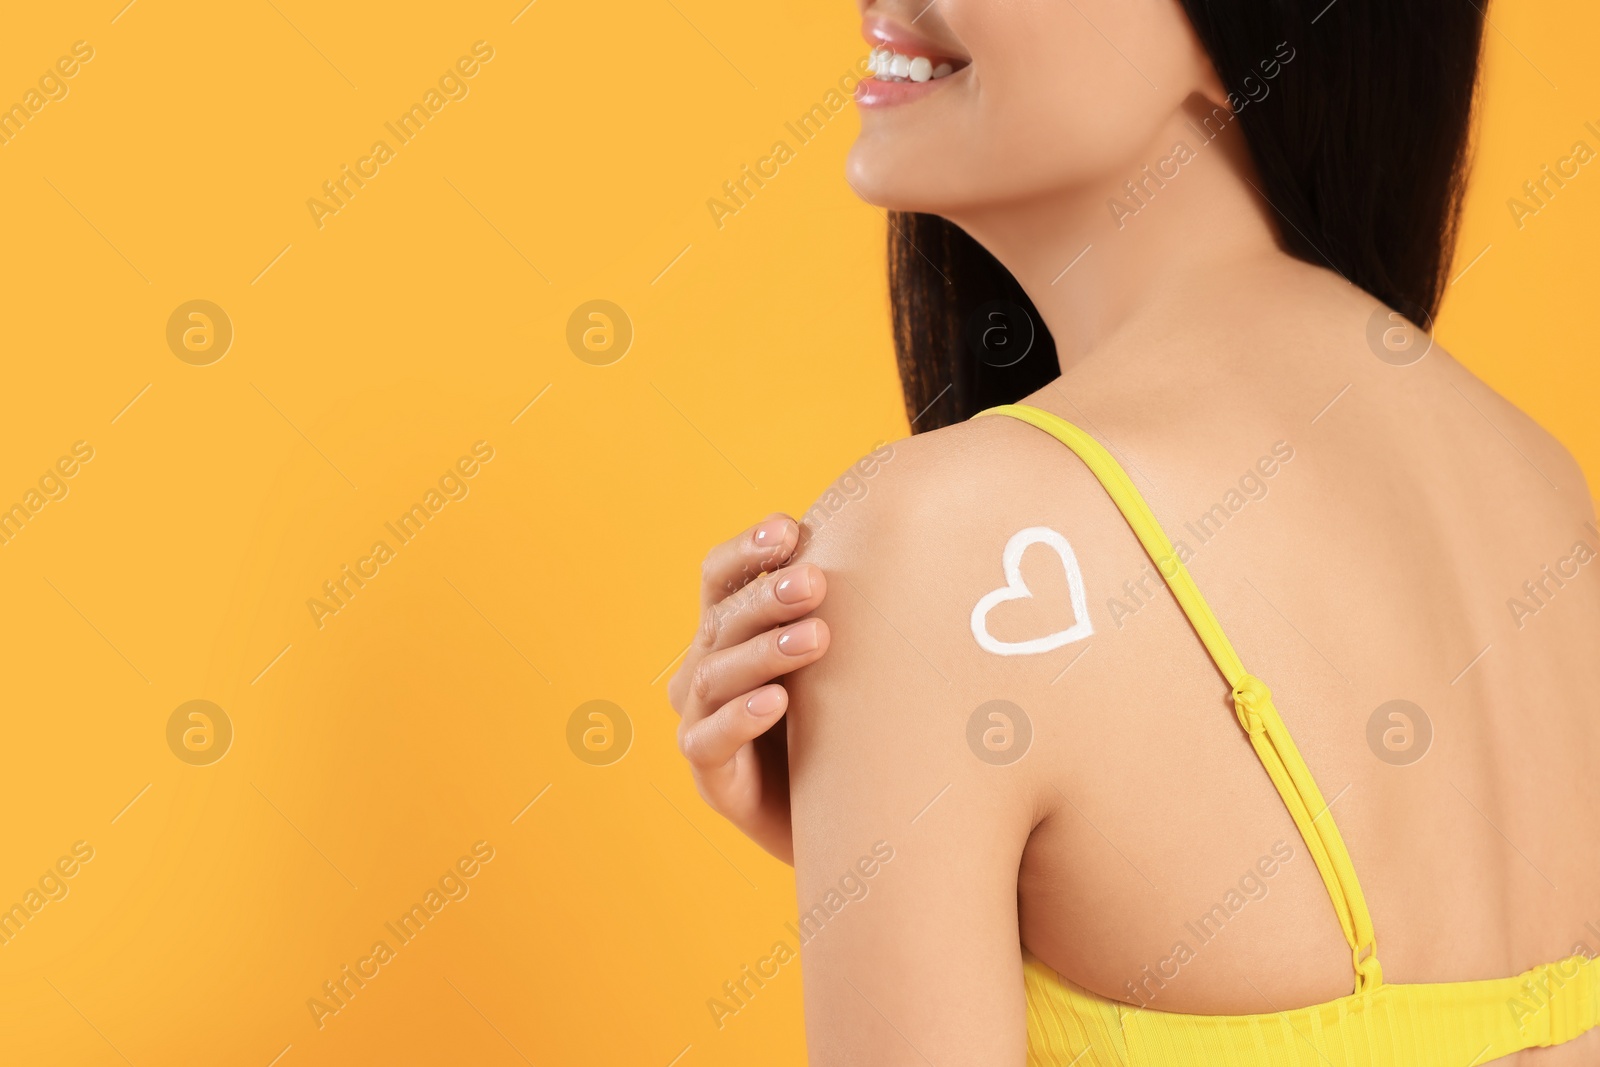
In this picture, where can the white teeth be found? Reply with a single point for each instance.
(889, 65)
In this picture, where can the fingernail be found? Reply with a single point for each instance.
(772, 532)
(764, 702)
(799, 639)
(794, 587)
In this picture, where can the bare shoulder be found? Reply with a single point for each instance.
(1534, 445)
(1412, 379)
(923, 539)
(991, 513)
(884, 760)
(915, 499)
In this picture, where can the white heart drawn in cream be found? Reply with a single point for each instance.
(1016, 589)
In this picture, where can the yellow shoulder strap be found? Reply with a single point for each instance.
(1252, 700)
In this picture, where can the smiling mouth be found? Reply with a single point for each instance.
(888, 65)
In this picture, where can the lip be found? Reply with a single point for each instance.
(872, 93)
(882, 32)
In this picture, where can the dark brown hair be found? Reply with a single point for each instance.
(1361, 140)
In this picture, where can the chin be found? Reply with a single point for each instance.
(871, 176)
(888, 176)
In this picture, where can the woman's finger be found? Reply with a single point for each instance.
(711, 743)
(774, 599)
(763, 547)
(722, 675)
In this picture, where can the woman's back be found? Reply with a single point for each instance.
(1363, 531)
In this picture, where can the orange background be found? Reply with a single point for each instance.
(369, 755)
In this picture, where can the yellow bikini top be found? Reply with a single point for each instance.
(1448, 1024)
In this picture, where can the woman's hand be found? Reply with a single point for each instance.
(725, 692)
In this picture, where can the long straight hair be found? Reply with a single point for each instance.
(1361, 140)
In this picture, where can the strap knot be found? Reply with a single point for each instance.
(1369, 972)
(1250, 695)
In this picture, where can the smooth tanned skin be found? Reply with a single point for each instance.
(1377, 565)
(1413, 504)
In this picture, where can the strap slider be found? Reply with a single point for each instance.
(1250, 695)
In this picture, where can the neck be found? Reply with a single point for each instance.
(1180, 217)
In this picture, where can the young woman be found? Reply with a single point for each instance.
(1233, 699)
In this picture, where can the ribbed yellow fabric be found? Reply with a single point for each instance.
(1452, 1024)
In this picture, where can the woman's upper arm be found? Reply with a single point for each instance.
(907, 845)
